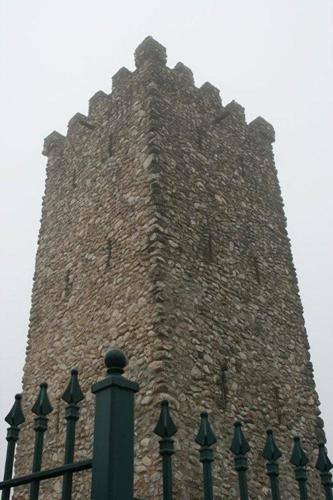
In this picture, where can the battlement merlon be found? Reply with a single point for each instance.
(79, 124)
(211, 95)
(54, 141)
(120, 80)
(150, 51)
(99, 105)
(233, 110)
(262, 129)
(79, 119)
(184, 73)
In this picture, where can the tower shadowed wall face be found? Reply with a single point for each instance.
(163, 233)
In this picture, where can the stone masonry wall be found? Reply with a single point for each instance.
(163, 233)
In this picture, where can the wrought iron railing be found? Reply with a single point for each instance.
(113, 455)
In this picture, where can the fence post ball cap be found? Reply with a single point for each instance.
(115, 361)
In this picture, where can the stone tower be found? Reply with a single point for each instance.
(163, 233)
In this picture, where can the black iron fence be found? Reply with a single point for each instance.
(113, 455)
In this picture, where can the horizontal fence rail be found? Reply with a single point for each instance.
(48, 474)
(113, 445)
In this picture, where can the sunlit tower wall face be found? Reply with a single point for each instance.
(163, 233)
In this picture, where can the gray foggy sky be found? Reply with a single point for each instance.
(273, 57)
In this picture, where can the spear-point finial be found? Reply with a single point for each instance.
(298, 456)
(73, 393)
(239, 447)
(323, 463)
(271, 452)
(205, 436)
(15, 417)
(115, 361)
(42, 406)
(165, 427)
(239, 444)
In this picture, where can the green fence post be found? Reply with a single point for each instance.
(113, 453)
(206, 438)
(272, 453)
(165, 429)
(300, 460)
(41, 409)
(240, 447)
(72, 395)
(14, 418)
(324, 466)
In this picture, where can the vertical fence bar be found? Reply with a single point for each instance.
(239, 447)
(165, 429)
(41, 408)
(206, 438)
(14, 418)
(272, 453)
(300, 460)
(113, 454)
(324, 466)
(72, 395)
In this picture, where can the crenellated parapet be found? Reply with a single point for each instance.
(153, 74)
